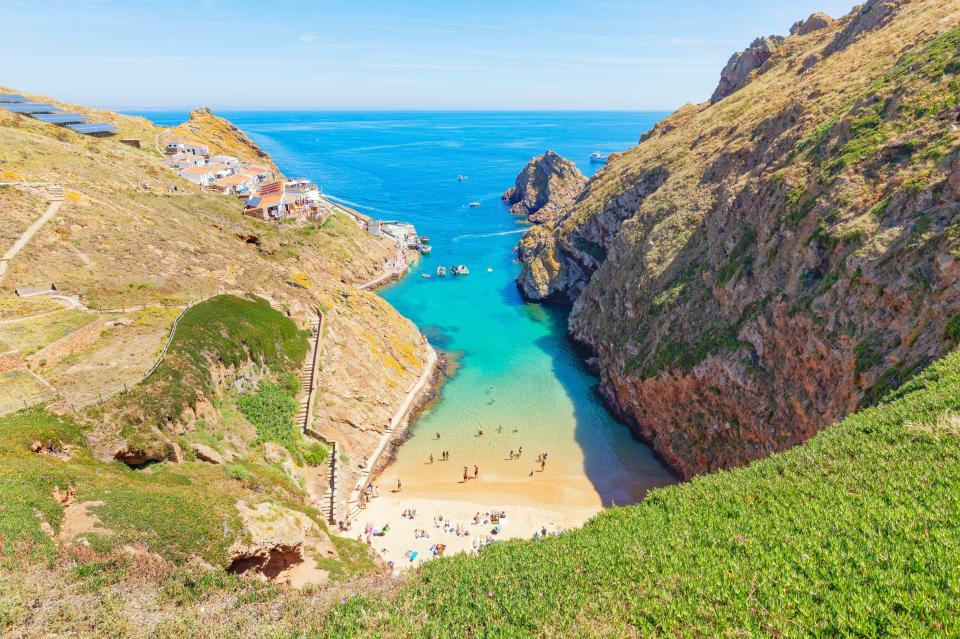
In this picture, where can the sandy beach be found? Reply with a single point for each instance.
(400, 540)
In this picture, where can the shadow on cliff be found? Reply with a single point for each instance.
(621, 468)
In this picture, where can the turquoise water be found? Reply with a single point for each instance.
(517, 370)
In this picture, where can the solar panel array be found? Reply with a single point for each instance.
(54, 115)
(31, 107)
(60, 118)
(94, 128)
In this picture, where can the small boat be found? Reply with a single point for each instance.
(598, 158)
(489, 270)
(425, 249)
(454, 270)
(441, 272)
(463, 270)
(474, 204)
(461, 178)
(424, 239)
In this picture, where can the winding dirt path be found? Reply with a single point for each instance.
(55, 200)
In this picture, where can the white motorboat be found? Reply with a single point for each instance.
(598, 158)
(441, 272)
(474, 204)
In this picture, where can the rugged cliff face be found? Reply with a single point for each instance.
(757, 267)
(547, 185)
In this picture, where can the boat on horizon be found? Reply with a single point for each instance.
(598, 158)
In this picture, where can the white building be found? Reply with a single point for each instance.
(199, 175)
(229, 160)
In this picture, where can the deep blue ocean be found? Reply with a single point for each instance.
(518, 371)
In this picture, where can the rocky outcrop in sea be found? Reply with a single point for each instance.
(547, 185)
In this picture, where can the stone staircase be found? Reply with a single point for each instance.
(306, 380)
(327, 503)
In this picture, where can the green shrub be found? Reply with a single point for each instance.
(271, 410)
(315, 454)
(951, 332)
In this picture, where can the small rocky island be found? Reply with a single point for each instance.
(546, 186)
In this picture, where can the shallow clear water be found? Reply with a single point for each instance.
(517, 370)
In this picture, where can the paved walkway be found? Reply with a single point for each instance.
(391, 270)
(56, 199)
(398, 417)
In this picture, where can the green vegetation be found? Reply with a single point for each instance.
(682, 355)
(868, 353)
(271, 410)
(951, 332)
(740, 261)
(177, 511)
(853, 534)
(222, 331)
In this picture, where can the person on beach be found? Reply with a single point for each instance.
(431, 458)
(438, 435)
(500, 429)
(465, 474)
(480, 433)
(476, 471)
(519, 452)
(511, 454)
(398, 486)
(543, 464)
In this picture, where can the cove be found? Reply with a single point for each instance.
(519, 379)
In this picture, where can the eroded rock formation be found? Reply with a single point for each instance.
(546, 186)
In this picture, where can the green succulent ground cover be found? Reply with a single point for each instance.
(854, 534)
(224, 330)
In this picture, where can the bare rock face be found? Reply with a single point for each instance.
(954, 180)
(275, 540)
(815, 22)
(546, 186)
(207, 454)
(743, 63)
(872, 15)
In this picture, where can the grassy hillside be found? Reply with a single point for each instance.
(854, 533)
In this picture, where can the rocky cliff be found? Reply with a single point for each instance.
(547, 185)
(760, 265)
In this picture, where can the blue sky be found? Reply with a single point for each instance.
(373, 54)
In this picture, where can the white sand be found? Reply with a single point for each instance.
(521, 523)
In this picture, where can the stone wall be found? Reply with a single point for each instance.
(53, 353)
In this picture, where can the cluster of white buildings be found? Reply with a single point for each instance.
(264, 196)
(223, 173)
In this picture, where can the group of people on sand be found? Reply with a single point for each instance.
(466, 473)
(367, 494)
(444, 456)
